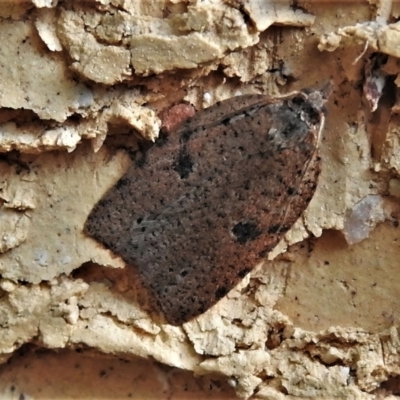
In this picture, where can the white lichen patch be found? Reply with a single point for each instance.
(363, 218)
(13, 229)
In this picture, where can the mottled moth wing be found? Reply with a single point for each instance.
(202, 206)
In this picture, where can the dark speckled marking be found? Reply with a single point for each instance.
(195, 213)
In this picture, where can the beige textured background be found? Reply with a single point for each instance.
(80, 82)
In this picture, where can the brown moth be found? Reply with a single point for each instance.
(202, 206)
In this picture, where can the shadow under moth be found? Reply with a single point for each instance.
(202, 206)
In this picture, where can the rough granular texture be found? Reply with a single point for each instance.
(201, 207)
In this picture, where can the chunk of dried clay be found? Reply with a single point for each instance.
(199, 209)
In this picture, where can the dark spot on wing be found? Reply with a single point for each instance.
(245, 231)
(183, 165)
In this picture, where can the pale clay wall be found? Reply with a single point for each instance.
(81, 81)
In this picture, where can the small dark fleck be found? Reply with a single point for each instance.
(186, 134)
(242, 273)
(221, 292)
(162, 140)
(245, 231)
(122, 182)
(183, 165)
(140, 159)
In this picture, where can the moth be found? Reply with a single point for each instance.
(202, 206)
